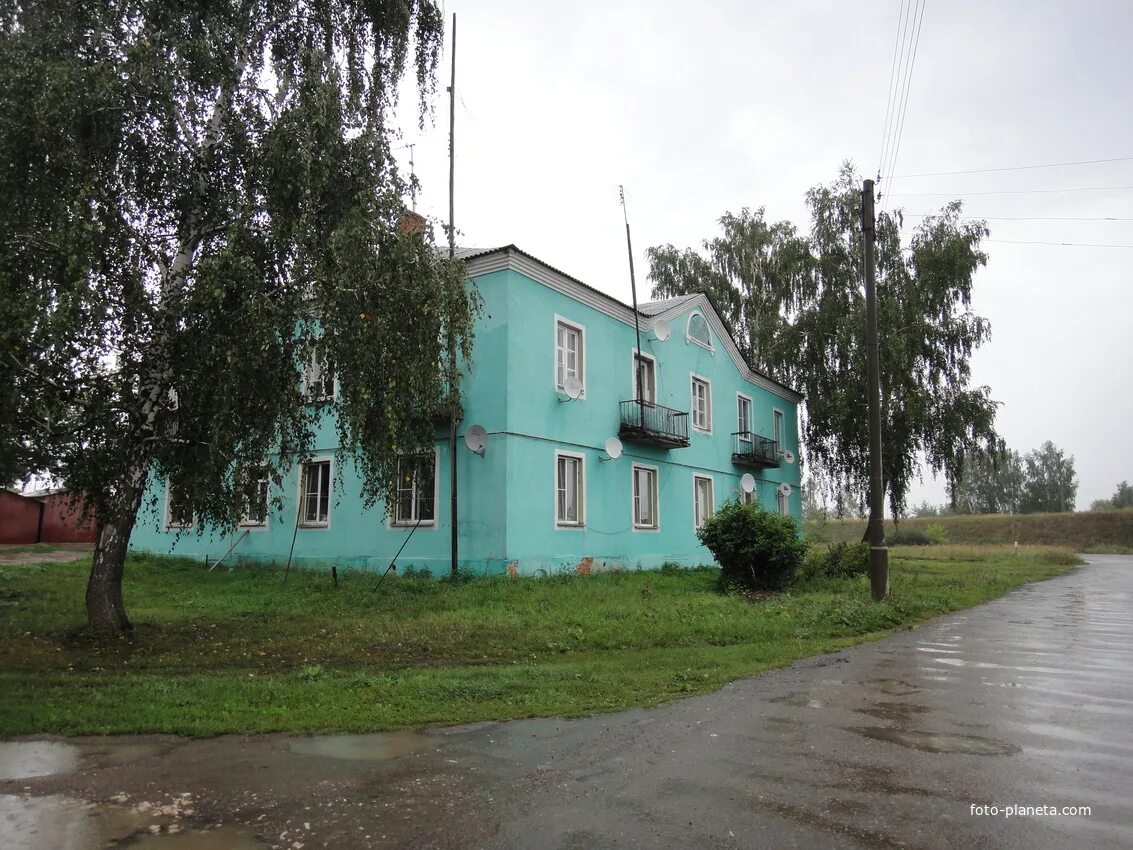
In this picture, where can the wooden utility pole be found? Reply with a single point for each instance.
(452, 395)
(878, 554)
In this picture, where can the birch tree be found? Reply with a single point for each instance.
(192, 197)
(795, 302)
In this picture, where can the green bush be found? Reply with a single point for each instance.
(937, 534)
(756, 549)
(908, 537)
(845, 560)
(841, 560)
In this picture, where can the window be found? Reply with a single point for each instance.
(777, 418)
(569, 490)
(568, 354)
(254, 491)
(746, 497)
(644, 497)
(743, 417)
(647, 373)
(178, 507)
(697, 330)
(782, 502)
(701, 404)
(416, 502)
(318, 378)
(701, 500)
(316, 493)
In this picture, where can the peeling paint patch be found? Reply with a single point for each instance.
(513, 569)
(585, 567)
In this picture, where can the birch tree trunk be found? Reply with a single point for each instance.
(106, 608)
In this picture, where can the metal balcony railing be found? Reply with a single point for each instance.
(651, 423)
(751, 449)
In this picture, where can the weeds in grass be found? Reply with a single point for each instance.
(241, 651)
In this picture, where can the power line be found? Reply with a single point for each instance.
(1008, 192)
(1069, 244)
(1012, 168)
(1021, 217)
(907, 89)
(897, 40)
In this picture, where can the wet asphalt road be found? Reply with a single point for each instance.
(1025, 701)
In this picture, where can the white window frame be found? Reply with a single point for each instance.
(247, 521)
(697, 519)
(652, 361)
(393, 521)
(313, 376)
(782, 503)
(688, 331)
(170, 525)
(693, 380)
(580, 357)
(750, 429)
(751, 498)
(580, 490)
(655, 495)
(312, 461)
(777, 420)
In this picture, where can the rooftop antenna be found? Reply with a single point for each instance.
(636, 317)
(412, 176)
(454, 544)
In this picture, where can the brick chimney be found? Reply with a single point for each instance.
(411, 224)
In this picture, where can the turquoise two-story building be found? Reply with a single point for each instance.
(542, 487)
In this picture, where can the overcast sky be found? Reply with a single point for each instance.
(703, 108)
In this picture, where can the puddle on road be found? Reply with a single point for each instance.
(933, 742)
(377, 747)
(36, 823)
(25, 759)
(798, 699)
(894, 687)
(897, 711)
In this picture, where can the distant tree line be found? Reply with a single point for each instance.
(1122, 498)
(1004, 482)
(1000, 481)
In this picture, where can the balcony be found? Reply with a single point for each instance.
(750, 449)
(645, 422)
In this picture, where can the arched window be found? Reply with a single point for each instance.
(698, 330)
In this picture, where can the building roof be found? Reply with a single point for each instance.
(654, 308)
(481, 262)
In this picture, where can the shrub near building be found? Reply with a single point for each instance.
(756, 549)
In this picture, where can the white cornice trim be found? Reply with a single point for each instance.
(512, 258)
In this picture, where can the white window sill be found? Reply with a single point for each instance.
(429, 523)
(570, 525)
(325, 524)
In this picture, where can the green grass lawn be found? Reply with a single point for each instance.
(245, 651)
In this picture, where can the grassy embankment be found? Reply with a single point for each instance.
(242, 651)
(1088, 531)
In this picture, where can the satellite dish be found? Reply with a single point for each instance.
(662, 330)
(747, 483)
(785, 489)
(613, 448)
(789, 456)
(572, 387)
(476, 438)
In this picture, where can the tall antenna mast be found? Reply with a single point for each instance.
(451, 339)
(412, 176)
(636, 316)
